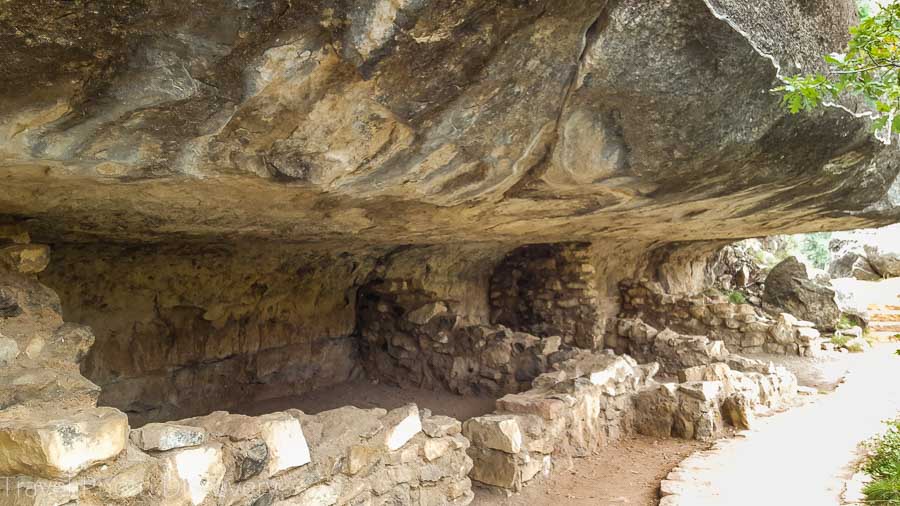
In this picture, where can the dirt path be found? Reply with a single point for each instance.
(366, 395)
(627, 473)
(803, 455)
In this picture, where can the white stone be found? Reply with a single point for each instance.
(401, 425)
(191, 475)
(284, 438)
(167, 436)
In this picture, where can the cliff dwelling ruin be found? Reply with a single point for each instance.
(393, 252)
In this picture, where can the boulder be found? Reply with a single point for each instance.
(884, 258)
(60, 445)
(788, 288)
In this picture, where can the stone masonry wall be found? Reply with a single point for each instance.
(740, 326)
(549, 290)
(409, 337)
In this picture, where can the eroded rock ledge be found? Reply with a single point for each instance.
(429, 121)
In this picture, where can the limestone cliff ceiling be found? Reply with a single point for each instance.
(422, 121)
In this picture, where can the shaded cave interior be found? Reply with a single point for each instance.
(187, 329)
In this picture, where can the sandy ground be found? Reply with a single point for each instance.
(366, 395)
(626, 473)
(802, 456)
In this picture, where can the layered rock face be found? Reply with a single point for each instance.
(429, 121)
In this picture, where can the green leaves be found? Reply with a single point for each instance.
(870, 69)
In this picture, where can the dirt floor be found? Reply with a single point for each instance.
(366, 395)
(627, 472)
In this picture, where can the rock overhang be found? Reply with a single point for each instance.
(425, 122)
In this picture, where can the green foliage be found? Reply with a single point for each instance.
(870, 69)
(736, 297)
(885, 492)
(844, 323)
(815, 248)
(883, 465)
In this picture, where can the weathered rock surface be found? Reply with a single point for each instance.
(789, 289)
(425, 121)
(60, 446)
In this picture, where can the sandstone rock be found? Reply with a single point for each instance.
(655, 409)
(498, 432)
(25, 258)
(325, 494)
(435, 448)
(737, 411)
(789, 288)
(531, 404)
(60, 445)
(703, 390)
(165, 436)
(884, 257)
(440, 426)
(497, 468)
(191, 475)
(25, 491)
(130, 483)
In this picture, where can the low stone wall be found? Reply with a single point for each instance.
(549, 290)
(740, 326)
(571, 412)
(339, 457)
(712, 396)
(411, 338)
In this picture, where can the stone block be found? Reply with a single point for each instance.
(285, 441)
(401, 425)
(440, 426)
(167, 436)
(497, 432)
(532, 404)
(702, 390)
(191, 475)
(496, 468)
(61, 445)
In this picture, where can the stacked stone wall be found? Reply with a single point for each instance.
(412, 338)
(742, 327)
(549, 290)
